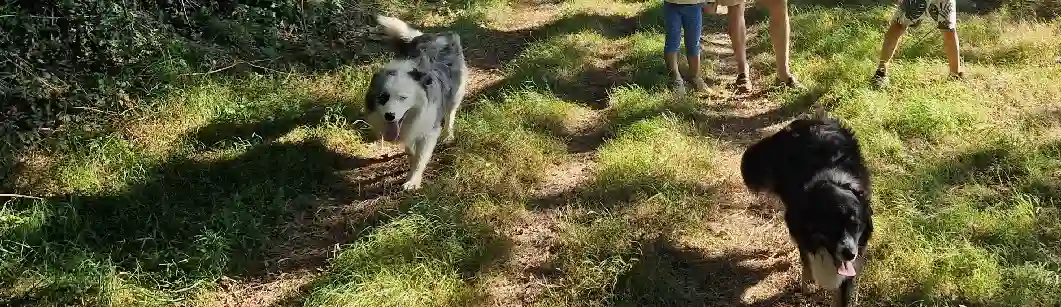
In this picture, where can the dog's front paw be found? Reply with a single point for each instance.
(806, 288)
(447, 137)
(411, 185)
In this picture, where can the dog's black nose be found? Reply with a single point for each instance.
(847, 254)
(388, 116)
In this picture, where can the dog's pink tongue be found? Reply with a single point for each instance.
(847, 268)
(390, 133)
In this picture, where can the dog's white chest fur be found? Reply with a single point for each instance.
(420, 122)
(823, 269)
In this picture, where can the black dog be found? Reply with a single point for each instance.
(816, 168)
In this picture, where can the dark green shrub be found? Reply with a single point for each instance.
(71, 65)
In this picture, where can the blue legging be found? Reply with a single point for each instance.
(683, 16)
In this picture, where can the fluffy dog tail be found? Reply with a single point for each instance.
(756, 166)
(396, 28)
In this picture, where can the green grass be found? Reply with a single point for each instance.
(414, 261)
(220, 181)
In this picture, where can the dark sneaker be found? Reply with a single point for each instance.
(742, 84)
(958, 76)
(880, 79)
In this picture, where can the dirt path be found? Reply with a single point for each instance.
(744, 224)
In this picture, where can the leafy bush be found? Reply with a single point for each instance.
(71, 65)
(1045, 9)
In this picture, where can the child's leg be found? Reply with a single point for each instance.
(891, 41)
(779, 36)
(672, 20)
(906, 15)
(945, 17)
(950, 46)
(737, 32)
(693, 24)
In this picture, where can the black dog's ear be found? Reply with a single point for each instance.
(854, 188)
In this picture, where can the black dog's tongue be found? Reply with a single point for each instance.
(391, 131)
(847, 268)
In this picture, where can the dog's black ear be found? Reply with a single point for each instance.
(855, 188)
(405, 48)
(416, 74)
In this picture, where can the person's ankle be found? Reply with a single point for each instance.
(784, 75)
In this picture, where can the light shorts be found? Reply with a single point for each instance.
(912, 12)
(729, 2)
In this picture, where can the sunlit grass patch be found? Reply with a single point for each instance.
(597, 248)
(559, 58)
(413, 261)
(633, 103)
(653, 156)
(622, 8)
(963, 226)
(644, 61)
(505, 147)
(967, 254)
(999, 40)
(656, 159)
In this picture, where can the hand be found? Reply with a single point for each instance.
(710, 8)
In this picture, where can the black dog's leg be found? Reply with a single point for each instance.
(847, 295)
(805, 278)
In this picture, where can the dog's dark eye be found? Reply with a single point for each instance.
(402, 98)
(383, 98)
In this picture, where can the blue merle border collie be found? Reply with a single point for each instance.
(414, 98)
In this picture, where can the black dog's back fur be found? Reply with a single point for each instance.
(815, 167)
(782, 163)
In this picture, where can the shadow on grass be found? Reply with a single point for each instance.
(492, 49)
(274, 208)
(998, 165)
(668, 275)
(489, 49)
(267, 131)
(735, 129)
(441, 240)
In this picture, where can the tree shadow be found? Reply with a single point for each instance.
(480, 247)
(745, 130)
(278, 207)
(669, 275)
(996, 164)
(491, 49)
(267, 131)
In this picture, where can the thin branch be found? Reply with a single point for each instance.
(96, 110)
(21, 196)
(213, 71)
(264, 68)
